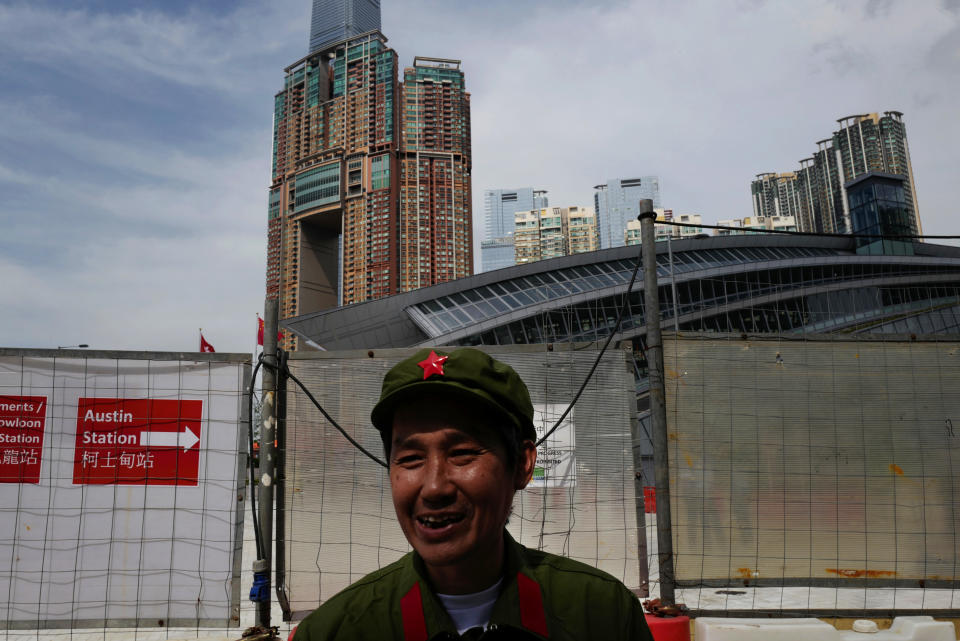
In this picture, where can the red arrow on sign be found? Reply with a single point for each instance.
(185, 439)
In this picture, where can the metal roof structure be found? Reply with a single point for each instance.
(784, 284)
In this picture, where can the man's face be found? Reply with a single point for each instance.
(451, 481)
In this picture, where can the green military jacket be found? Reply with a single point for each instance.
(544, 596)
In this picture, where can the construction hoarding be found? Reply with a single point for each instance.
(120, 488)
(828, 462)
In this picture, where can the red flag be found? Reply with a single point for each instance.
(204, 345)
(260, 332)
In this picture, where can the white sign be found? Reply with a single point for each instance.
(129, 516)
(556, 459)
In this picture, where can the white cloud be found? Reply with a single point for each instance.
(157, 236)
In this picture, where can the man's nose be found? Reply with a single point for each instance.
(438, 489)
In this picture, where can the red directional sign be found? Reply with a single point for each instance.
(142, 441)
(22, 419)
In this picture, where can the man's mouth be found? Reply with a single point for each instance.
(438, 522)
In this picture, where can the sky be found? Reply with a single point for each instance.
(135, 135)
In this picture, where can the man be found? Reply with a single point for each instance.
(458, 434)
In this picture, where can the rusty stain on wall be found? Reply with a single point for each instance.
(861, 574)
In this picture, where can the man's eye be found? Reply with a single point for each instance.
(408, 459)
(464, 452)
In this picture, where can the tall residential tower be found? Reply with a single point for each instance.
(370, 189)
(817, 193)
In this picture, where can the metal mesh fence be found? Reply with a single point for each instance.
(340, 522)
(121, 490)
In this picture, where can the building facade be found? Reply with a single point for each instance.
(775, 194)
(499, 208)
(551, 232)
(756, 225)
(583, 235)
(880, 211)
(333, 21)
(618, 202)
(816, 195)
(436, 229)
(370, 186)
(631, 235)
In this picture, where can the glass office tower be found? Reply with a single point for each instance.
(335, 20)
(618, 202)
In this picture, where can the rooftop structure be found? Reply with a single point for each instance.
(333, 21)
(750, 284)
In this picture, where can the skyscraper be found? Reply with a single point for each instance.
(500, 205)
(436, 234)
(335, 20)
(776, 194)
(365, 201)
(817, 193)
(618, 202)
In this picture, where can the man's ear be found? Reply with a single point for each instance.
(525, 464)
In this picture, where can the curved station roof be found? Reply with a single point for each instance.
(750, 283)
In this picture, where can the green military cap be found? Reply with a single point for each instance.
(467, 373)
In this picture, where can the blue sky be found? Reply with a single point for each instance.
(135, 136)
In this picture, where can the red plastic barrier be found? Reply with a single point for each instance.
(669, 629)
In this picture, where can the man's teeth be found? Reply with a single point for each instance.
(435, 522)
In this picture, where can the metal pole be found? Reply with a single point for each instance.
(658, 408)
(673, 284)
(268, 432)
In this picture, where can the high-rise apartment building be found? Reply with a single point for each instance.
(500, 206)
(551, 232)
(618, 202)
(582, 233)
(370, 190)
(776, 194)
(436, 235)
(817, 194)
(632, 234)
(756, 225)
(333, 21)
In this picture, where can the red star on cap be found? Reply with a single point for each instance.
(432, 365)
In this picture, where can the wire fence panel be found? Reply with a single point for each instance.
(829, 465)
(340, 522)
(120, 491)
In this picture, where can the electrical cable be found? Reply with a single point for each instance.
(819, 234)
(623, 307)
(327, 416)
(613, 332)
(253, 479)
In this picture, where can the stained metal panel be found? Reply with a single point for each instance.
(814, 462)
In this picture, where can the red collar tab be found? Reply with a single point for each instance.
(532, 616)
(411, 610)
(433, 364)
